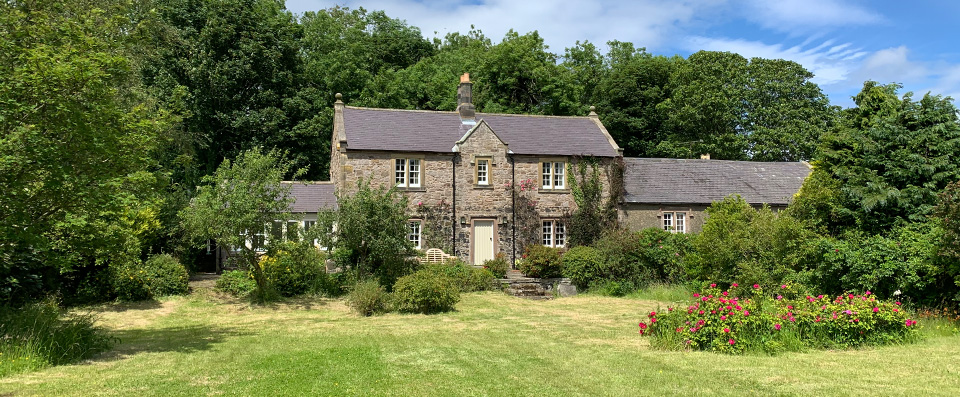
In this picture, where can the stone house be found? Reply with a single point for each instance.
(673, 193)
(472, 168)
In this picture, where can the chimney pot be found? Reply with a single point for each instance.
(705, 156)
(468, 114)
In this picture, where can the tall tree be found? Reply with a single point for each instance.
(77, 135)
(629, 96)
(887, 160)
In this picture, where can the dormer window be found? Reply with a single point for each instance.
(407, 172)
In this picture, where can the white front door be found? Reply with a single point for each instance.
(482, 241)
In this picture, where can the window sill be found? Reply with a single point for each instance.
(412, 189)
(483, 187)
(554, 191)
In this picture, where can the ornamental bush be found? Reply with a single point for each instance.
(425, 291)
(498, 265)
(158, 276)
(293, 268)
(466, 277)
(541, 262)
(238, 283)
(784, 320)
(583, 265)
(368, 298)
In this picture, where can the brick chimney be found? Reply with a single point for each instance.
(468, 114)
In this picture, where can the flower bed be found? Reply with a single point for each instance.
(748, 319)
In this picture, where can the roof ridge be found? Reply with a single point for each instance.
(714, 160)
(478, 113)
(309, 182)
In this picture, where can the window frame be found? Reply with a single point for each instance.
(407, 169)
(555, 173)
(488, 161)
(418, 243)
(677, 221)
(557, 233)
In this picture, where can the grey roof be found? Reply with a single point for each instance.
(429, 131)
(311, 196)
(687, 181)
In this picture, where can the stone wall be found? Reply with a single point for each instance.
(635, 216)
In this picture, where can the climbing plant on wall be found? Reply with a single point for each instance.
(437, 225)
(593, 214)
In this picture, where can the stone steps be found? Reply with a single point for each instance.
(536, 288)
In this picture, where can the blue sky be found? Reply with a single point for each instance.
(843, 42)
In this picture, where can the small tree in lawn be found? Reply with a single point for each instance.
(371, 229)
(236, 203)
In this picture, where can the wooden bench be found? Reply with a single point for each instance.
(436, 255)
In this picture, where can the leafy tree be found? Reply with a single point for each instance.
(890, 158)
(765, 110)
(370, 229)
(236, 203)
(519, 75)
(77, 134)
(235, 67)
(629, 96)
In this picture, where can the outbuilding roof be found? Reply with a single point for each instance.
(312, 196)
(438, 132)
(689, 181)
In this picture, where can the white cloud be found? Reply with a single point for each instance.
(891, 65)
(828, 65)
(808, 16)
(646, 23)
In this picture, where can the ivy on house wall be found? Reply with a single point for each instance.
(525, 215)
(593, 215)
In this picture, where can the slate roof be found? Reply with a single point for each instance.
(688, 181)
(311, 196)
(430, 131)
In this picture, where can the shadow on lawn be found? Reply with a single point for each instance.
(121, 307)
(183, 339)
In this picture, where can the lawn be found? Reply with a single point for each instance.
(205, 344)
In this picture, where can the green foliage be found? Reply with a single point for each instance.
(371, 232)
(238, 283)
(947, 216)
(735, 109)
(541, 262)
(906, 260)
(77, 135)
(717, 320)
(158, 276)
(293, 268)
(593, 215)
(425, 292)
(368, 298)
(583, 265)
(497, 266)
(38, 335)
(739, 242)
(235, 205)
(890, 157)
(466, 277)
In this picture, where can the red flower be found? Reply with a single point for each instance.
(732, 342)
(756, 286)
(643, 326)
(727, 330)
(734, 285)
(776, 326)
(712, 285)
(653, 320)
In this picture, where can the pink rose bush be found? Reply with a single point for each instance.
(719, 320)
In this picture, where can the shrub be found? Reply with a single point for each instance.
(168, 276)
(498, 265)
(334, 284)
(613, 287)
(783, 320)
(583, 265)
(467, 278)
(237, 283)
(425, 292)
(160, 275)
(368, 298)
(38, 335)
(541, 262)
(739, 242)
(293, 268)
(661, 253)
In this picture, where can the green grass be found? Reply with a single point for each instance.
(493, 344)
